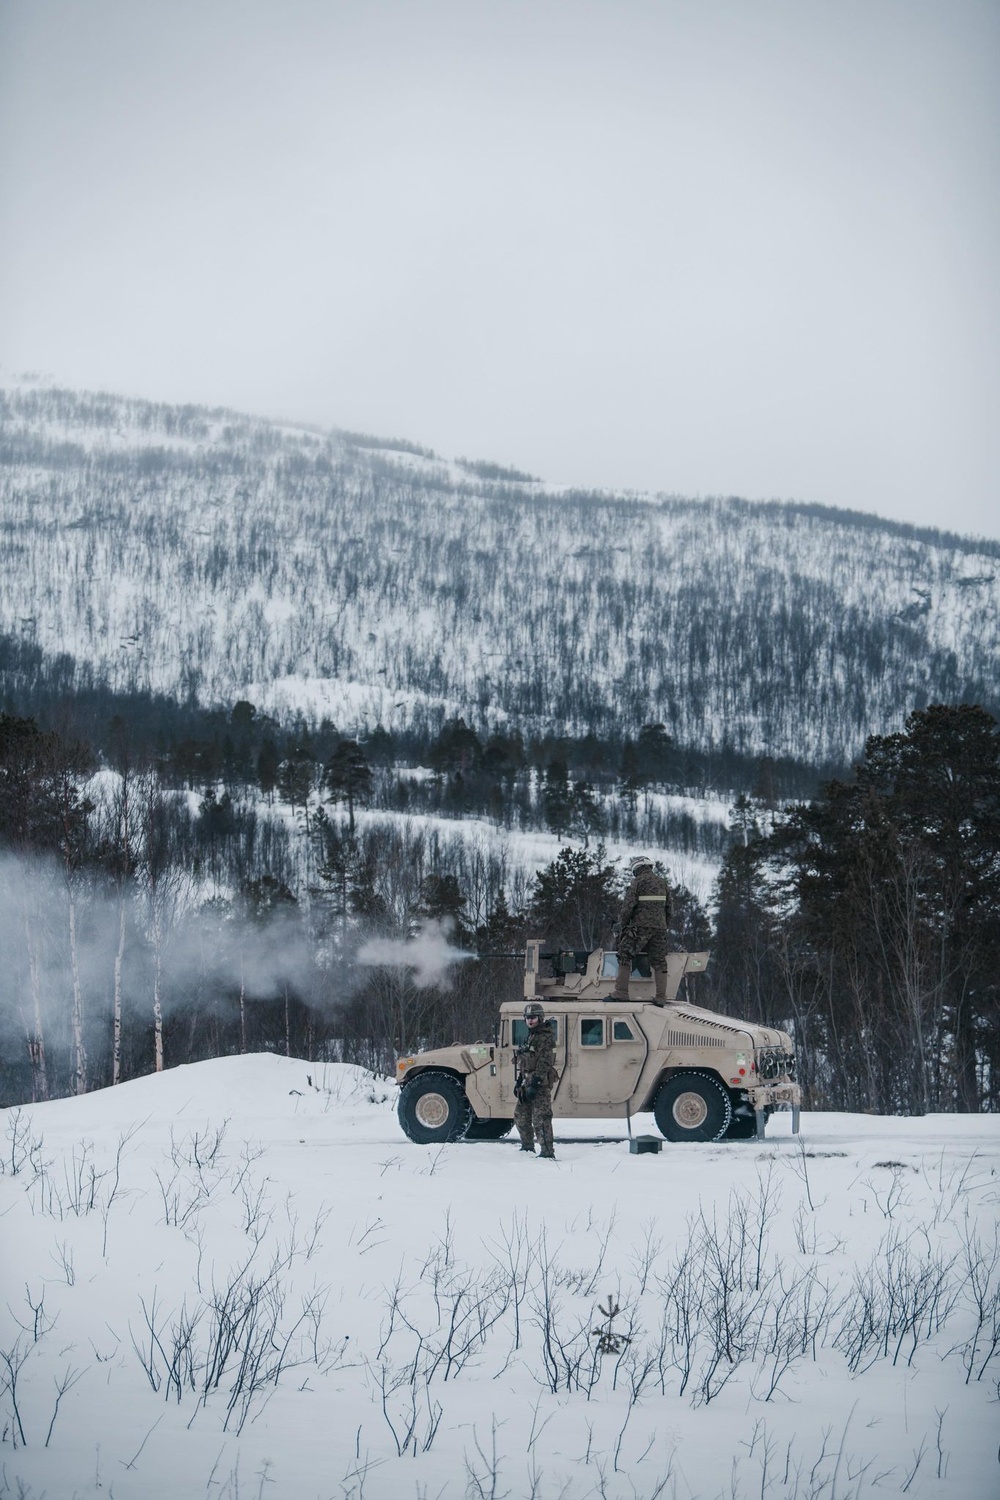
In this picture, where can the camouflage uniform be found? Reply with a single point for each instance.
(642, 924)
(536, 1073)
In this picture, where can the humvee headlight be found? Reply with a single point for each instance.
(402, 1065)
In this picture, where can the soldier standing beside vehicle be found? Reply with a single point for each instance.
(642, 927)
(535, 1074)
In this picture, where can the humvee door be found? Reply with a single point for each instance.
(607, 1051)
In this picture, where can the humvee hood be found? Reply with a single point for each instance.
(762, 1036)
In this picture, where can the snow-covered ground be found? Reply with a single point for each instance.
(239, 1279)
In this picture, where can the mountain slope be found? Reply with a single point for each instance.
(205, 553)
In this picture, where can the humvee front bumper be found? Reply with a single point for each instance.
(774, 1095)
(764, 1098)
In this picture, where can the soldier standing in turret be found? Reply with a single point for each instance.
(535, 1075)
(642, 927)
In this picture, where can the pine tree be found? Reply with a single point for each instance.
(575, 899)
(896, 882)
(441, 900)
(347, 777)
(503, 930)
(557, 797)
(648, 760)
(456, 748)
(296, 776)
(268, 762)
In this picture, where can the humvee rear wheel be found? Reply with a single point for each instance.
(693, 1107)
(488, 1130)
(433, 1107)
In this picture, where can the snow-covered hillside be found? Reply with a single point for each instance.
(200, 552)
(240, 1279)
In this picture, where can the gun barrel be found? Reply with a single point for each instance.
(556, 953)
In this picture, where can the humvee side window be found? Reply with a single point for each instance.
(623, 1032)
(591, 1033)
(640, 967)
(520, 1033)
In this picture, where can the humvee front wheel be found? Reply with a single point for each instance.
(433, 1107)
(692, 1107)
(743, 1125)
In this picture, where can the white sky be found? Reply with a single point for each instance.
(701, 246)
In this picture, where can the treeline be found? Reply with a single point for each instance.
(144, 924)
(143, 927)
(576, 785)
(869, 920)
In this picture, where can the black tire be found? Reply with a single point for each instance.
(693, 1107)
(488, 1130)
(433, 1107)
(743, 1126)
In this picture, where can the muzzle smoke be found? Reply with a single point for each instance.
(429, 954)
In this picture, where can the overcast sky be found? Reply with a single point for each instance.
(699, 246)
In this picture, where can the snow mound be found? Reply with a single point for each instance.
(260, 1092)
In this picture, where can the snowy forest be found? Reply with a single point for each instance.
(145, 925)
(270, 697)
(215, 557)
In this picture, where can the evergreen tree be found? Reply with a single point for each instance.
(745, 973)
(575, 899)
(648, 760)
(38, 773)
(503, 756)
(456, 748)
(347, 777)
(441, 900)
(296, 775)
(896, 883)
(557, 797)
(503, 930)
(585, 814)
(268, 763)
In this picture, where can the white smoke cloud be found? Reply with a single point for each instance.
(199, 949)
(429, 954)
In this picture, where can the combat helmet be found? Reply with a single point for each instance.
(533, 1011)
(640, 862)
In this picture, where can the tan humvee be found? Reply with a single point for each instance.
(706, 1077)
